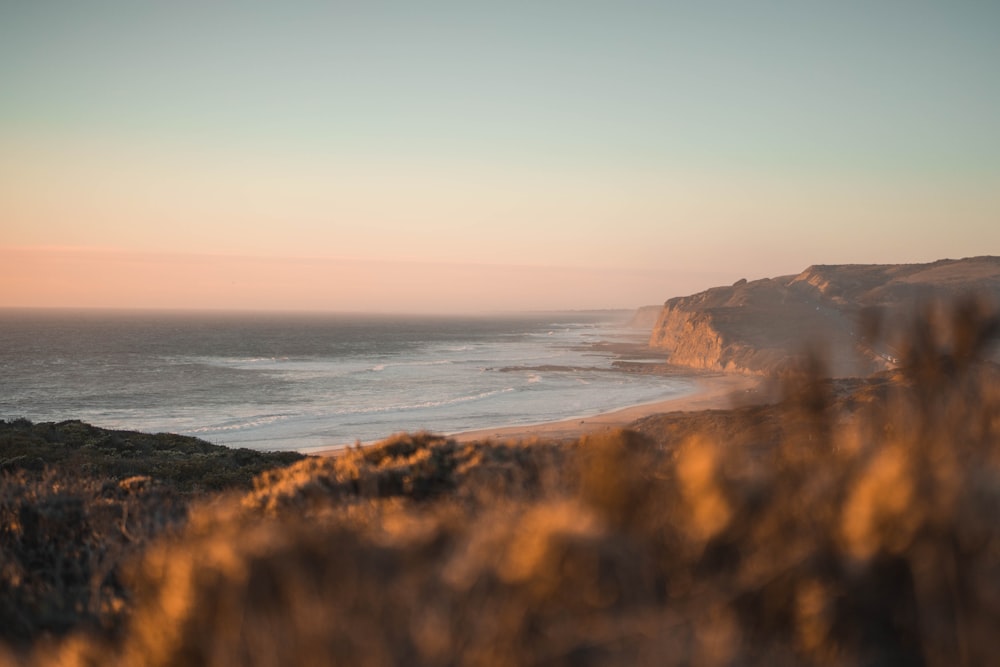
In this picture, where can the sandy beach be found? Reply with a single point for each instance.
(717, 391)
(712, 391)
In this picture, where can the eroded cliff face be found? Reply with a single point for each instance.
(767, 326)
(690, 336)
(741, 336)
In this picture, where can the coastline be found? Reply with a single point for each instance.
(712, 391)
(717, 391)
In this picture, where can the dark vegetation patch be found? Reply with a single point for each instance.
(183, 463)
(63, 539)
(76, 501)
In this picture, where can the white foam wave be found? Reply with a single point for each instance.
(252, 422)
(241, 361)
(377, 368)
(425, 404)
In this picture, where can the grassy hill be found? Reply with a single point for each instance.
(76, 502)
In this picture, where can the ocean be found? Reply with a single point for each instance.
(311, 381)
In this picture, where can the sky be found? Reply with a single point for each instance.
(471, 156)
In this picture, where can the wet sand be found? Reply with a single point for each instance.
(721, 391)
(712, 391)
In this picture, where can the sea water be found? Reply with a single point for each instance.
(280, 381)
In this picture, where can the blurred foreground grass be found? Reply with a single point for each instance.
(851, 523)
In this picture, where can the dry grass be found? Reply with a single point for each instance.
(63, 540)
(76, 502)
(850, 524)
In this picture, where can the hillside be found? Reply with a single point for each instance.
(764, 326)
(77, 502)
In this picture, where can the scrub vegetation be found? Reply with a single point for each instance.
(852, 522)
(76, 502)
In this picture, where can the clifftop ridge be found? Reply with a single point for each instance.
(761, 326)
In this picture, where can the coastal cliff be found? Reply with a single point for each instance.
(764, 326)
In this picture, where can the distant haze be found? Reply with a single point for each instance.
(461, 157)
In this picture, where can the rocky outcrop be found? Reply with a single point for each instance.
(765, 326)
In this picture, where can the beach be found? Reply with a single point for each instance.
(713, 391)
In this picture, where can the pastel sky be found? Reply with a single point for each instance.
(472, 156)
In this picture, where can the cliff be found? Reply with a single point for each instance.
(764, 326)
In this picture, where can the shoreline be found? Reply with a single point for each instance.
(711, 391)
(717, 391)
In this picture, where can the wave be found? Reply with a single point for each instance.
(234, 361)
(425, 404)
(252, 422)
(378, 368)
